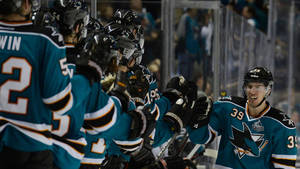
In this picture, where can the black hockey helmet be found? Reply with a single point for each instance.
(70, 14)
(100, 51)
(127, 18)
(126, 41)
(259, 74)
(13, 6)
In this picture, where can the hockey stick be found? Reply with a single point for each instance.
(194, 150)
(170, 141)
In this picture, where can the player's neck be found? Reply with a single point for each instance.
(256, 111)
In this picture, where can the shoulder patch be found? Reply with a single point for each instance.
(55, 35)
(281, 117)
(234, 99)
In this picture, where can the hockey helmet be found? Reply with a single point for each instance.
(100, 51)
(13, 6)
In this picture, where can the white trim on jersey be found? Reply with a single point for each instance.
(158, 112)
(32, 126)
(117, 99)
(101, 112)
(71, 150)
(36, 34)
(92, 161)
(284, 156)
(280, 122)
(137, 143)
(97, 130)
(67, 107)
(59, 95)
(81, 141)
(282, 166)
(34, 135)
(210, 129)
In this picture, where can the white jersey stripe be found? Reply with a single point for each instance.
(32, 126)
(284, 156)
(67, 107)
(36, 136)
(281, 166)
(58, 96)
(96, 130)
(73, 152)
(101, 112)
(92, 161)
(129, 143)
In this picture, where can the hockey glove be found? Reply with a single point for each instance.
(138, 124)
(176, 88)
(112, 162)
(201, 112)
(175, 117)
(142, 157)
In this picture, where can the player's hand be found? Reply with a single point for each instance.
(176, 88)
(201, 112)
(176, 115)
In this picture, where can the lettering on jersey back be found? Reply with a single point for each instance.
(10, 42)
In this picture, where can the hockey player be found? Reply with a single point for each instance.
(159, 105)
(253, 134)
(34, 82)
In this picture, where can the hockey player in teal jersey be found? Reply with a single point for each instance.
(253, 134)
(34, 82)
(67, 132)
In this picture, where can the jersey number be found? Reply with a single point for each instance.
(12, 85)
(292, 141)
(99, 146)
(237, 114)
(63, 124)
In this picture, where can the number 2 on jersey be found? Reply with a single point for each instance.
(12, 85)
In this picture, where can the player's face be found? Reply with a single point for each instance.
(255, 93)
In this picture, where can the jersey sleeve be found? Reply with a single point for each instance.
(56, 85)
(284, 150)
(103, 111)
(206, 134)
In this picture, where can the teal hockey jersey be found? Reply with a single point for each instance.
(67, 132)
(267, 141)
(33, 82)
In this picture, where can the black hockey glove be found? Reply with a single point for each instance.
(142, 157)
(138, 123)
(179, 87)
(112, 162)
(201, 112)
(176, 88)
(175, 117)
(142, 123)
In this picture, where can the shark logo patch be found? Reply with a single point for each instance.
(247, 143)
